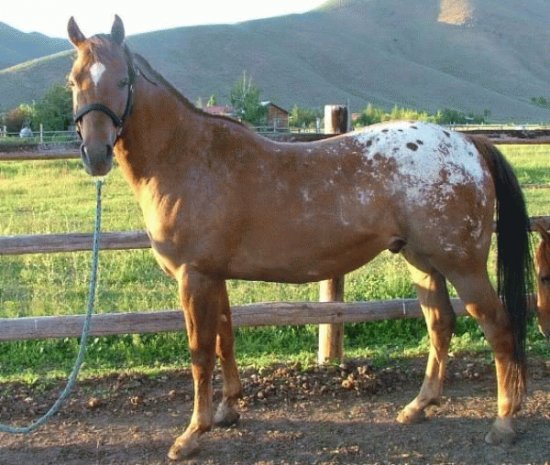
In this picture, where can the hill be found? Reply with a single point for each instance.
(469, 55)
(17, 47)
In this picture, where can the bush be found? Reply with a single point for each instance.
(304, 117)
(55, 110)
(373, 115)
(18, 117)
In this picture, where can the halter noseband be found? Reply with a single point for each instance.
(117, 121)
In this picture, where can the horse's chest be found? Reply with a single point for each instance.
(165, 230)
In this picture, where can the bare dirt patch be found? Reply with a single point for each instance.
(338, 415)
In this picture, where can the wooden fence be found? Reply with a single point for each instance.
(331, 313)
(261, 314)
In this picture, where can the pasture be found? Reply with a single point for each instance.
(57, 197)
(319, 412)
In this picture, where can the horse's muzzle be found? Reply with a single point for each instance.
(97, 160)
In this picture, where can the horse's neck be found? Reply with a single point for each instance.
(158, 132)
(167, 142)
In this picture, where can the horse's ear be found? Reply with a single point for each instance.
(75, 34)
(544, 234)
(117, 31)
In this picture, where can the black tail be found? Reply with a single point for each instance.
(514, 262)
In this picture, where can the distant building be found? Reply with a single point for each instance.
(277, 117)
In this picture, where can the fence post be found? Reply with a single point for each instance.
(331, 336)
(336, 119)
(41, 133)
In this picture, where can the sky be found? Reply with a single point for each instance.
(96, 16)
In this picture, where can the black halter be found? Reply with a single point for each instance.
(117, 121)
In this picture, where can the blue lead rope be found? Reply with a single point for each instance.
(56, 407)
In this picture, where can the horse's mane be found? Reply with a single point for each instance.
(152, 75)
(156, 78)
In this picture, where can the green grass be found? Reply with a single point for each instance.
(56, 197)
(531, 163)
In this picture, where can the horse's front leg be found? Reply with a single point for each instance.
(202, 300)
(227, 413)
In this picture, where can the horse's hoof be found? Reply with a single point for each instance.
(226, 416)
(500, 434)
(410, 416)
(185, 446)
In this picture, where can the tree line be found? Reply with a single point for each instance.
(54, 111)
(372, 115)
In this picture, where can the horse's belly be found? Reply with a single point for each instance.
(302, 260)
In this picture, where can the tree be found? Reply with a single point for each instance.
(54, 111)
(212, 101)
(370, 115)
(245, 99)
(450, 116)
(304, 117)
(18, 117)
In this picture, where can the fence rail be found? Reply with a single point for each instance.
(260, 314)
(60, 145)
(76, 242)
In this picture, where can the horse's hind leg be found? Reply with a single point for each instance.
(227, 414)
(203, 300)
(483, 303)
(432, 293)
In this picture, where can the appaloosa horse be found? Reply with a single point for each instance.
(221, 202)
(542, 266)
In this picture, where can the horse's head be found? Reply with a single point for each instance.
(102, 79)
(542, 264)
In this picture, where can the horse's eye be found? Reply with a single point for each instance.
(123, 83)
(545, 280)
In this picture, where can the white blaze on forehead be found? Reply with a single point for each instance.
(96, 71)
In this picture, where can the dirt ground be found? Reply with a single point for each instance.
(337, 415)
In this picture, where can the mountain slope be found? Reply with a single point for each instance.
(469, 55)
(17, 47)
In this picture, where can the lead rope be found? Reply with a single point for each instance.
(56, 407)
